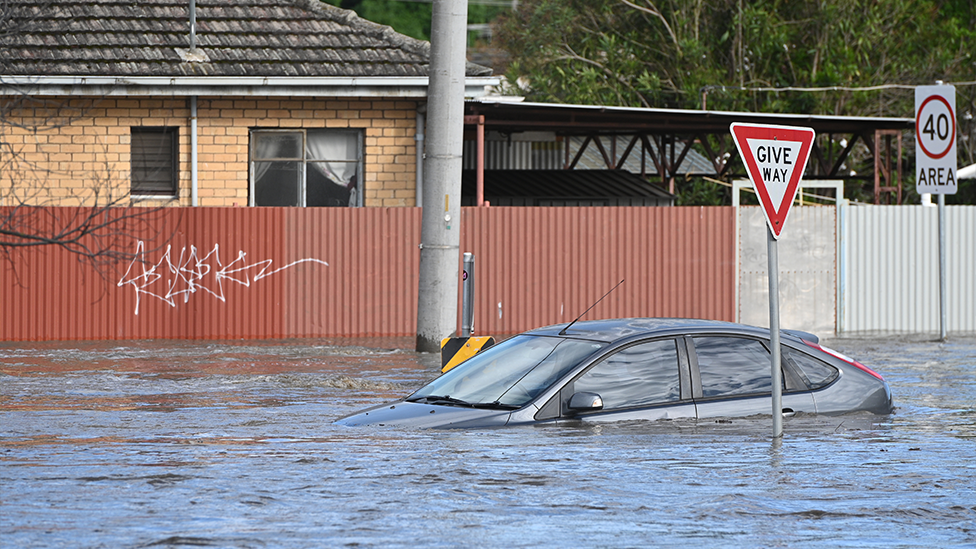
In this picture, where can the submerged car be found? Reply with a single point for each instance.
(636, 369)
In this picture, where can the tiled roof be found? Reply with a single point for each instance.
(274, 38)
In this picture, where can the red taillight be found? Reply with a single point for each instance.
(845, 358)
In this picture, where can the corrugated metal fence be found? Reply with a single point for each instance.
(316, 272)
(889, 273)
(291, 272)
(539, 266)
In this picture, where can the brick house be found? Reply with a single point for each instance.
(262, 103)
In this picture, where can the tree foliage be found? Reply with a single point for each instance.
(668, 53)
(834, 57)
(101, 222)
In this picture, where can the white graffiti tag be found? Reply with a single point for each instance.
(191, 273)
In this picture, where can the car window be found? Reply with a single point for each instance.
(506, 373)
(642, 374)
(732, 366)
(560, 361)
(817, 373)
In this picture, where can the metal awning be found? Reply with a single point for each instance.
(673, 132)
(584, 119)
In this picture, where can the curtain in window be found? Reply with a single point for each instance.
(333, 159)
(323, 174)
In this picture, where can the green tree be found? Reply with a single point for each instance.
(837, 57)
(669, 53)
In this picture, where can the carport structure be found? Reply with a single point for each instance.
(667, 135)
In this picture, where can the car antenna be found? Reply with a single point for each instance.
(563, 331)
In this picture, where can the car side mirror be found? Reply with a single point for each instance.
(584, 402)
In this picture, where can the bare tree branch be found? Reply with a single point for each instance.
(572, 55)
(653, 11)
(84, 208)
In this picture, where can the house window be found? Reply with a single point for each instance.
(306, 168)
(154, 157)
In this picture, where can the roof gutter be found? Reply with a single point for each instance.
(305, 86)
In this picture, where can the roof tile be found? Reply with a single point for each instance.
(240, 38)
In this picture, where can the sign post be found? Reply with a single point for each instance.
(775, 158)
(935, 163)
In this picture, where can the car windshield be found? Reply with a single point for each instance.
(509, 374)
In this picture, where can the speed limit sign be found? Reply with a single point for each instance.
(935, 139)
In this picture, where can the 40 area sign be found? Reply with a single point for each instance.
(775, 158)
(935, 140)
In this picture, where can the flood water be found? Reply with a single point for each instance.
(231, 444)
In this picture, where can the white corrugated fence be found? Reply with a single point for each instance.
(889, 269)
(861, 269)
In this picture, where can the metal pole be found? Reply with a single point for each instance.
(773, 255)
(419, 138)
(440, 234)
(467, 297)
(480, 164)
(194, 189)
(942, 269)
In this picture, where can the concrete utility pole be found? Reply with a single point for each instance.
(440, 235)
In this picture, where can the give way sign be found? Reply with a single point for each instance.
(775, 158)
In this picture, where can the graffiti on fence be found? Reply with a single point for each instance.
(168, 280)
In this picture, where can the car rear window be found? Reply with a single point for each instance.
(818, 373)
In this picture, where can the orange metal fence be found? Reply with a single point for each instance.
(287, 272)
(537, 266)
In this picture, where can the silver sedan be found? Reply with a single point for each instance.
(636, 369)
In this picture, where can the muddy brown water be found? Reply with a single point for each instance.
(232, 444)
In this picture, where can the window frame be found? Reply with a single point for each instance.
(304, 162)
(173, 133)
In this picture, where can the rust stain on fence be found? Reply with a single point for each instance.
(219, 273)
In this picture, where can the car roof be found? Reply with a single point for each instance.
(610, 330)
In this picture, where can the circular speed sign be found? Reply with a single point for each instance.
(935, 126)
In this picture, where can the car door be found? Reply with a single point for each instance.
(640, 381)
(731, 378)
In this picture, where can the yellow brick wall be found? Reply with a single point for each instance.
(76, 152)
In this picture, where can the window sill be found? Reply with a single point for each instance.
(140, 197)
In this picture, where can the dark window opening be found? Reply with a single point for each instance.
(154, 160)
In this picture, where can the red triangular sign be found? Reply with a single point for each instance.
(775, 158)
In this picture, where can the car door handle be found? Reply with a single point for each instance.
(788, 412)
